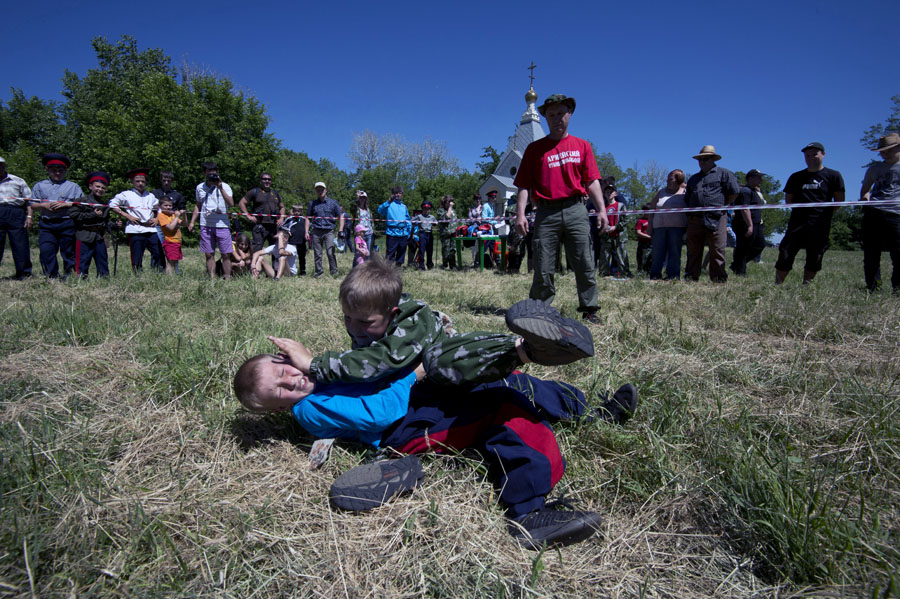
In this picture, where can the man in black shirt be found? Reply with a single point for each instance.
(747, 224)
(165, 190)
(808, 228)
(166, 178)
(265, 201)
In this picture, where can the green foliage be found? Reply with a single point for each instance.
(131, 111)
(490, 164)
(26, 126)
(869, 139)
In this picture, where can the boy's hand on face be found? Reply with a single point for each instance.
(300, 357)
(420, 372)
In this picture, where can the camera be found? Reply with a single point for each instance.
(213, 177)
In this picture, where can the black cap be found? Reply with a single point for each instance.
(815, 145)
(55, 159)
(96, 176)
(138, 171)
(754, 173)
(426, 204)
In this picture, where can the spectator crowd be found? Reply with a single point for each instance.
(562, 201)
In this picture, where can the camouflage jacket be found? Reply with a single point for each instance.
(413, 329)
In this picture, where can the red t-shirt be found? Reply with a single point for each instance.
(555, 170)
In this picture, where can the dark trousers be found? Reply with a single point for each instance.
(880, 232)
(426, 249)
(301, 259)
(508, 421)
(699, 236)
(396, 248)
(137, 243)
(644, 256)
(86, 250)
(263, 235)
(57, 235)
(12, 225)
(747, 248)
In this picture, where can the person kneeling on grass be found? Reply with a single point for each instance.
(507, 421)
(285, 253)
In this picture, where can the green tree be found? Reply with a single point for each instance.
(28, 128)
(890, 125)
(491, 161)
(131, 111)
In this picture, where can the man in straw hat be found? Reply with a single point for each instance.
(712, 187)
(881, 224)
(557, 171)
(808, 228)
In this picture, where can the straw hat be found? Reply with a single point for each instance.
(708, 151)
(886, 142)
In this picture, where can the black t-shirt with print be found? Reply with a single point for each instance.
(805, 187)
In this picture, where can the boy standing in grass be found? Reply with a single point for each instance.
(90, 227)
(170, 222)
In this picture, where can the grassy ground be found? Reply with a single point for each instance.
(763, 460)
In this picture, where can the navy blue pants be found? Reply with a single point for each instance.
(57, 235)
(396, 249)
(665, 244)
(508, 421)
(12, 225)
(426, 249)
(94, 249)
(137, 243)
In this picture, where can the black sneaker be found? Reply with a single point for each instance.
(371, 485)
(550, 338)
(554, 528)
(621, 407)
(591, 317)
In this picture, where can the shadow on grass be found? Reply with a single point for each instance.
(252, 431)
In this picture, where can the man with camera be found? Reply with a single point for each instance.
(136, 206)
(213, 199)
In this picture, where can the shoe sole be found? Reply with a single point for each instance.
(371, 485)
(541, 325)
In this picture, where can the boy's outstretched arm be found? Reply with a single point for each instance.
(300, 357)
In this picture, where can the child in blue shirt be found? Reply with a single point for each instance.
(508, 421)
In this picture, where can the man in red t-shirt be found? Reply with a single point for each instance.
(558, 171)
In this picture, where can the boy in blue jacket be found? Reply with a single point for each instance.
(398, 226)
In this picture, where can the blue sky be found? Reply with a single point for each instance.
(653, 80)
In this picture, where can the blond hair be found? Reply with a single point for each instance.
(245, 382)
(375, 285)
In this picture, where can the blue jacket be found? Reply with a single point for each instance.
(397, 215)
(355, 411)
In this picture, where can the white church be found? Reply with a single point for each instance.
(529, 129)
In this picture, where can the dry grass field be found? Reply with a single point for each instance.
(763, 460)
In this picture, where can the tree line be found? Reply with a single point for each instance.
(136, 109)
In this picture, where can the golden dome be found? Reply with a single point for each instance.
(530, 96)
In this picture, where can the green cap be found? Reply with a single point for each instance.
(557, 99)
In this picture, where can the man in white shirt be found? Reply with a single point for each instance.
(138, 206)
